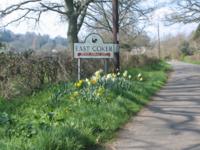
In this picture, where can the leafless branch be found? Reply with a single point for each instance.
(188, 11)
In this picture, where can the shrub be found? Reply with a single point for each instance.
(185, 48)
(23, 73)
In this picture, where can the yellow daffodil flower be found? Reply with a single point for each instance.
(79, 83)
(93, 81)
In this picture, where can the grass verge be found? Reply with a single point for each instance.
(190, 60)
(77, 116)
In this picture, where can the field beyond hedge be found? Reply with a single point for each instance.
(81, 115)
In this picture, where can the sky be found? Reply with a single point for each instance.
(165, 30)
(50, 24)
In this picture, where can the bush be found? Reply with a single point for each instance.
(185, 48)
(24, 73)
(130, 61)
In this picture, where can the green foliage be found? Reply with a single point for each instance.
(197, 33)
(185, 48)
(191, 59)
(77, 116)
(4, 119)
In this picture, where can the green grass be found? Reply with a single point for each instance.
(189, 60)
(52, 120)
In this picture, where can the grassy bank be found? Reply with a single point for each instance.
(191, 60)
(81, 115)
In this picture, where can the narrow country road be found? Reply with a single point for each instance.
(172, 120)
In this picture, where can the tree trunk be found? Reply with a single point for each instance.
(72, 34)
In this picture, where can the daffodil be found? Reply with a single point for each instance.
(88, 81)
(114, 75)
(96, 78)
(79, 83)
(108, 76)
(125, 73)
(93, 81)
(98, 73)
(139, 75)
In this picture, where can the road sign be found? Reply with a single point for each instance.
(94, 47)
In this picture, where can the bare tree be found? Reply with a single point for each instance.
(73, 10)
(97, 12)
(131, 12)
(186, 11)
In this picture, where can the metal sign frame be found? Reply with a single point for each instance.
(94, 47)
(89, 42)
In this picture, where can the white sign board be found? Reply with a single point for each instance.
(94, 47)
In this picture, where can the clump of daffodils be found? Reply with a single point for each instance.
(97, 75)
(96, 87)
(111, 77)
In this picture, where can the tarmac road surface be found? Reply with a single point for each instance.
(172, 119)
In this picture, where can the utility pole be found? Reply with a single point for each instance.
(159, 49)
(115, 11)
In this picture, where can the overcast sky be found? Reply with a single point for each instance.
(50, 24)
(159, 16)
